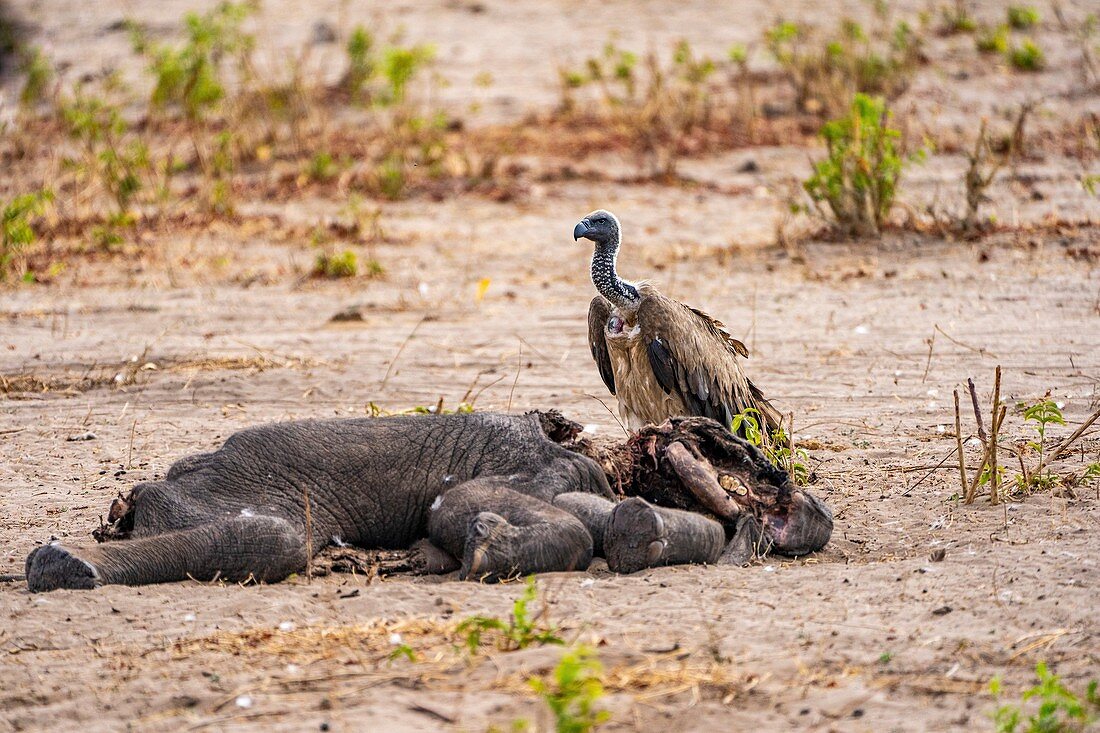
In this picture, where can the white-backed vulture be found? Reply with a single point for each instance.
(659, 357)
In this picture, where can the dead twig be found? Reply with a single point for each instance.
(977, 412)
(401, 348)
(519, 367)
(309, 536)
(928, 364)
(952, 339)
(995, 424)
(959, 444)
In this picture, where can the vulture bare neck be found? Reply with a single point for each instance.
(605, 277)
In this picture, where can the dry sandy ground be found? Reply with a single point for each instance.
(210, 332)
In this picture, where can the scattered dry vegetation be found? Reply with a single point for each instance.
(217, 128)
(82, 378)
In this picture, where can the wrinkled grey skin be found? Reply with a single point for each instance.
(491, 491)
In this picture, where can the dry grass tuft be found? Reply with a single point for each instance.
(128, 373)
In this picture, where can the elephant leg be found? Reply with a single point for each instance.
(593, 511)
(640, 535)
(748, 541)
(261, 548)
(501, 533)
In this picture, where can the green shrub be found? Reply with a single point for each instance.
(992, 40)
(361, 63)
(382, 76)
(857, 180)
(344, 264)
(190, 76)
(958, 19)
(523, 629)
(573, 691)
(826, 71)
(113, 156)
(656, 105)
(1060, 709)
(39, 73)
(1022, 17)
(1027, 56)
(16, 228)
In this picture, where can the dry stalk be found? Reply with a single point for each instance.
(995, 424)
(309, 536)
(959, 445)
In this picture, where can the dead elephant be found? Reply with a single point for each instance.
(494, 496)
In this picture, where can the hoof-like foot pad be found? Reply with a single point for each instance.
(635, 538)
(50, 567)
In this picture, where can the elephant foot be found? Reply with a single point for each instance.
(486, 556)
(748, 542)
(635, 537)
(50, 567)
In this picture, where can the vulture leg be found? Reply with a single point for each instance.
(640, 535)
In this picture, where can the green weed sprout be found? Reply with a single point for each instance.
(1060, 709)
(573, 691)
(519, 632)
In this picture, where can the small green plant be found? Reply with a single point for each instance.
(521, 631)
(1039, 415)
(1022, 17)
(656, 105)
(857, 180)
(1061, 710)
(826, 70)
(1027, 56)
(343, 264)
(17, 229)
(190, 76)
(776, 446)
(381, 76)
(113, 156)
(1091, 476)
(403, 650)
(400, 65)
(361, 62)
(321, 167)
(39, 72)
(574, 691)
(992, 40)
(958, 18)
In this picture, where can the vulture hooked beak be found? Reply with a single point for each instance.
(581, 230)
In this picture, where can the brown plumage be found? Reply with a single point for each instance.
(659, 357)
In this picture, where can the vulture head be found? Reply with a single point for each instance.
(602, 227)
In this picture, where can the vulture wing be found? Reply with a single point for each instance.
(693, 356)
(598, 313)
